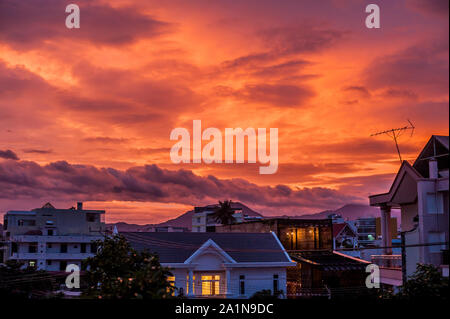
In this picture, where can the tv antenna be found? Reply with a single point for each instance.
(395, 133)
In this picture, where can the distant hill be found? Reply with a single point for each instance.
(348, 212)
(184, 220)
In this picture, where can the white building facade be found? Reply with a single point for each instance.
(219, 265)
(421, 191)
(50, 239)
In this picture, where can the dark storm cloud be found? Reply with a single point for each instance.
(150, 183)
(27, 23)
(8, 154)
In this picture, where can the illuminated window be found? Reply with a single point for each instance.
(210, 285)
(187, 284)
(171, 280)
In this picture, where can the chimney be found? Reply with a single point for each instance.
(433, 168)
(80, 206)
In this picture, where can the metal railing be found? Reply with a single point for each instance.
(387, 261)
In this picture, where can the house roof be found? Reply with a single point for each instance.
(405, 169)
(339, 227)
(437, 148)
(178, 247)
(329, 261)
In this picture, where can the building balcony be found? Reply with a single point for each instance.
(390, 269)
(388, 261)
(50, 256)
(54, 239)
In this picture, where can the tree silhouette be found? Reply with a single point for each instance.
(224, 213)
(118, 271)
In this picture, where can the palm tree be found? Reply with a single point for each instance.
(224, 213)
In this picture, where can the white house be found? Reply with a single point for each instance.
(49, 238)
(421, 192)
(219, 265)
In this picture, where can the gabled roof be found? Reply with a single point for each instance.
(178, 247)
(436, 147)
(386, 198)
(48, 205)
(339, 228)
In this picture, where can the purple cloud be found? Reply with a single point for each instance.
(8, 154)
(24, 179)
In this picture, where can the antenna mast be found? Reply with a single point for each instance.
(395, 133)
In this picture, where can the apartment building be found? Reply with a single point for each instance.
(421, 192)
(49, 238)
(203, 218)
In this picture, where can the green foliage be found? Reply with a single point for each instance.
(119, 272)
(19, 282)
(224, 213)
(427, 282)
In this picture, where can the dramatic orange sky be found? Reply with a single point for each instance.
(86, 114)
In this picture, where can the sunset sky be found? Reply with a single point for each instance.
(86, 114)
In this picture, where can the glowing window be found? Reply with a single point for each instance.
(210, 285)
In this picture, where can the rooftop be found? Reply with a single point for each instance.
(177, 247)
(327, 260)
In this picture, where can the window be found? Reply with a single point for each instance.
(90, 217)
(32, 248)
(49, 245)
(171, 280)
(435, 203)
(32, 263)
(199, 220)
(187, 284)
(93, 248)
(210, 285)
(14, 248)
(275, 284)
(62, 265)
(63, 249)
(26, 222)
(242, 285)
(49, 222)
(49, 262)
(83, 248)
(436, 238)
(49, 232)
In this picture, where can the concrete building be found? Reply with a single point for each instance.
(166, 229)
(320, 270)
(421, 192)
(203, 220)
(344, 236)
(49, 239)
(213, 265)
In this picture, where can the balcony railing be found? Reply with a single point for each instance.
(387, 261)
